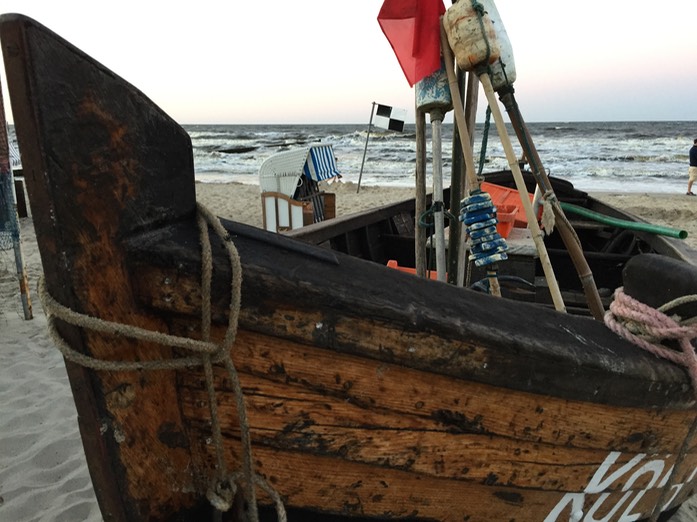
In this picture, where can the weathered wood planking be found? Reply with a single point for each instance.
(446, 331)
(370, 392)
(90, 124)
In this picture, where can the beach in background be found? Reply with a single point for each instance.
(43, 473)
(649, 157)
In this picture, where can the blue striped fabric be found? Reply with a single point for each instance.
(15, 160)
(321, 164)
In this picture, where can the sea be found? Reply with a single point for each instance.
(637, 156)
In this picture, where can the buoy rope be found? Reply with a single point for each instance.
(481, 11)
(437, 206)
(647, 327)
(427, 221)
(222, 489)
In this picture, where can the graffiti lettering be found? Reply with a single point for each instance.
(622, 509)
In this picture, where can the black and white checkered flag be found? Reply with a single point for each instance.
(390, 118)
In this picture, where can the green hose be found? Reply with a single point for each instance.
(623, 223)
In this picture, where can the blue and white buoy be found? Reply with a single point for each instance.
(488, 247)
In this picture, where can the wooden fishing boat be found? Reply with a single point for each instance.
(609, 237)
(299, 375)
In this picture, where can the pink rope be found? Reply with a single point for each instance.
(647, 327)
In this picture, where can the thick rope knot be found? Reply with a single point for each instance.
(648, 328)
(221, 494)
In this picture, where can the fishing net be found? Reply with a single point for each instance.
(9, 224)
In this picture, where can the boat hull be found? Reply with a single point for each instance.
(367, 392)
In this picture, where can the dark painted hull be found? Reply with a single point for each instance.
(385, 234)
(368, 392)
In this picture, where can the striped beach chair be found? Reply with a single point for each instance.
(290, 193)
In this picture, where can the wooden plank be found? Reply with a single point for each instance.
(368, 322)
(356, 421)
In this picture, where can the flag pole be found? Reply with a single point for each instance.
(365, 150)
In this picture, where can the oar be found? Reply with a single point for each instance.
(523, 191)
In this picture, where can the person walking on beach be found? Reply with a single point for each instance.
(692, 172)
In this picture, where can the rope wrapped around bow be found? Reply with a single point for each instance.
(648, 327)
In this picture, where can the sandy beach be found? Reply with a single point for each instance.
(43, 473)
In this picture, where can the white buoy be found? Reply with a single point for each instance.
(471, 37)
(503, 71)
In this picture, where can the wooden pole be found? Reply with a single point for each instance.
(566, 230)
(465, 143)
(420, 189)
(458, 184)
(523, 191)
(470, 118)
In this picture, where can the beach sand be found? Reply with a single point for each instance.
(43, 473)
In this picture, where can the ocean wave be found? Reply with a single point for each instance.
(596, 155)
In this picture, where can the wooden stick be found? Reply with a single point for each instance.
(470, 117)
(457, 183)
(365, 150)
(458, 110)
(564, 227)
(420, 233)
(471, 180)
(523, 191)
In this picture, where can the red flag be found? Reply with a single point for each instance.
(413, 29)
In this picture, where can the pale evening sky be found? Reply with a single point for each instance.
(311, 61)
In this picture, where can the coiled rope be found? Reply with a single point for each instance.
(222, 489)
(647, 327)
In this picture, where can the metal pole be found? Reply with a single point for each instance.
(365, 150)
(438, 215)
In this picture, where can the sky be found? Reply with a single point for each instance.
(278, 61)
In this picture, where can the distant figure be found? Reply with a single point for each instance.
(692, 172)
